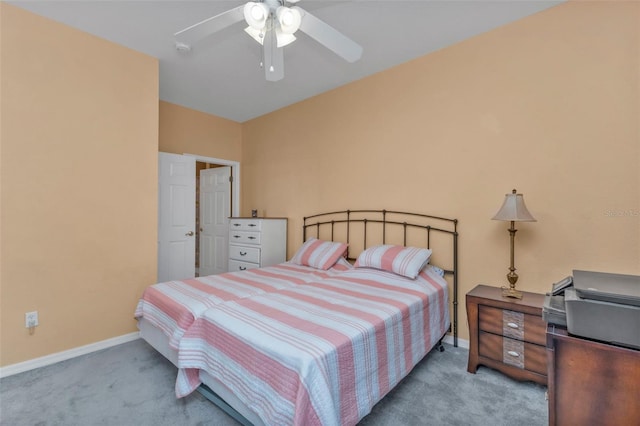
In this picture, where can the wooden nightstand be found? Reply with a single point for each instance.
(507, 334)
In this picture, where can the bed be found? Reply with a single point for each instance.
(324, 352)
(166, 310)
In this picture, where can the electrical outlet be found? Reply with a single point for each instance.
(31, 319)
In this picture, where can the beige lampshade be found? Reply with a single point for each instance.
(513, 209)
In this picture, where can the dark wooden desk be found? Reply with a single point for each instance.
(591, 383)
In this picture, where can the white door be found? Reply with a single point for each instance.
(176, 217)
(215, 209)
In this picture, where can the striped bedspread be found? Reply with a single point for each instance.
(318, 354)
(173, 306)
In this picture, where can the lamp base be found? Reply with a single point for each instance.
(511, 292)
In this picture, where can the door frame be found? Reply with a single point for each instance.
(235, 173)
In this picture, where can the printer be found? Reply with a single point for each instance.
(597, 305)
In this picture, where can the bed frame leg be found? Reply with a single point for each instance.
(440, 346)
(222, 404)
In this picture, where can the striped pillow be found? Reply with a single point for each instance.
(319, 254)
(405, 261)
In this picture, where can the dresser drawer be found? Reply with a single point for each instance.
(513, 352)
(517, 325)
(245, 224)
(245, 237)
(236, 265)
(244, 254)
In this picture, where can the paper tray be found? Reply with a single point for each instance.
(610, 322)
(614, 288)
(553, 310)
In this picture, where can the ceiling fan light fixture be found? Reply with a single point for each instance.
(256, 14)
(289, 19)
(257, 35)
(284, 39)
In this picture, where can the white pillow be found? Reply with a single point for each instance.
(405, 261)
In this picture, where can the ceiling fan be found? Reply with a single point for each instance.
(273, 24)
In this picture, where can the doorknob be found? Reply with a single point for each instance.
(189, 234)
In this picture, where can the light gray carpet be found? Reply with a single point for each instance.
(131, 384)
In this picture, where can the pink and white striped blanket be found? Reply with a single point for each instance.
(321, 353)
(173, 306)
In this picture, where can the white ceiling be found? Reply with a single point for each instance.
(221, 74)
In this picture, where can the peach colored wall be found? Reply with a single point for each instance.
(184, 130)
(79, 145)
(548, 105)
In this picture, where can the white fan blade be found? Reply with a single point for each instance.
(329, 37)
(273, 57)
(197, 32)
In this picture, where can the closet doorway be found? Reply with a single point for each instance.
(196, 196)
(213, 208)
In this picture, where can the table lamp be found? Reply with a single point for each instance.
(513, 210)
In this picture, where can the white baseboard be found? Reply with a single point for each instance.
(462, 343)
(20, 367)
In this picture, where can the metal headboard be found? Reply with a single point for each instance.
(406, 223)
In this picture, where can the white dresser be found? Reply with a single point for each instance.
(256, 242)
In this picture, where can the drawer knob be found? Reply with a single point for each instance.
(252, 224)
(242, 268)
(252, 238)
(236, 236)
(513, 353)
(243, 253)
(513, 325)
(236, 224)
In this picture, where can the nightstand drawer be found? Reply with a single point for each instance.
(244, 254)
(236, 266)
(516, 325)
(513, 352)
(244, 237)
